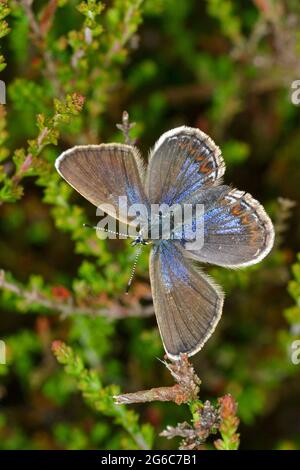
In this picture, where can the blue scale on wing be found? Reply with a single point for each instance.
(187, 178)
(171, 269)
(186, 231)
(133, 194)
(222, 217)
(218, 219)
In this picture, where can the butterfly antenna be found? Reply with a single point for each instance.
(138, 252)
(95, 227)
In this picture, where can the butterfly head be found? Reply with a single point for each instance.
(139, 240)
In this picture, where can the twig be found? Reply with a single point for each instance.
(118, 44)
(71, 106)
(70, 307)
(207, 418)
(28, 161)
(186, 389)
(207, 422)
(126, 127)
(47, 17)
(35, 30)
(39, 31)
(284, 213)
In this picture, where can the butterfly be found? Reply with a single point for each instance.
(185, 167)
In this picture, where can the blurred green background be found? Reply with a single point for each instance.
(71, 68)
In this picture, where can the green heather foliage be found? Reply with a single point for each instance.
(70, 68)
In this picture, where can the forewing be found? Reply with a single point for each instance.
(237, 232)
(183, 162)
(103, 173)
(188, 305)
